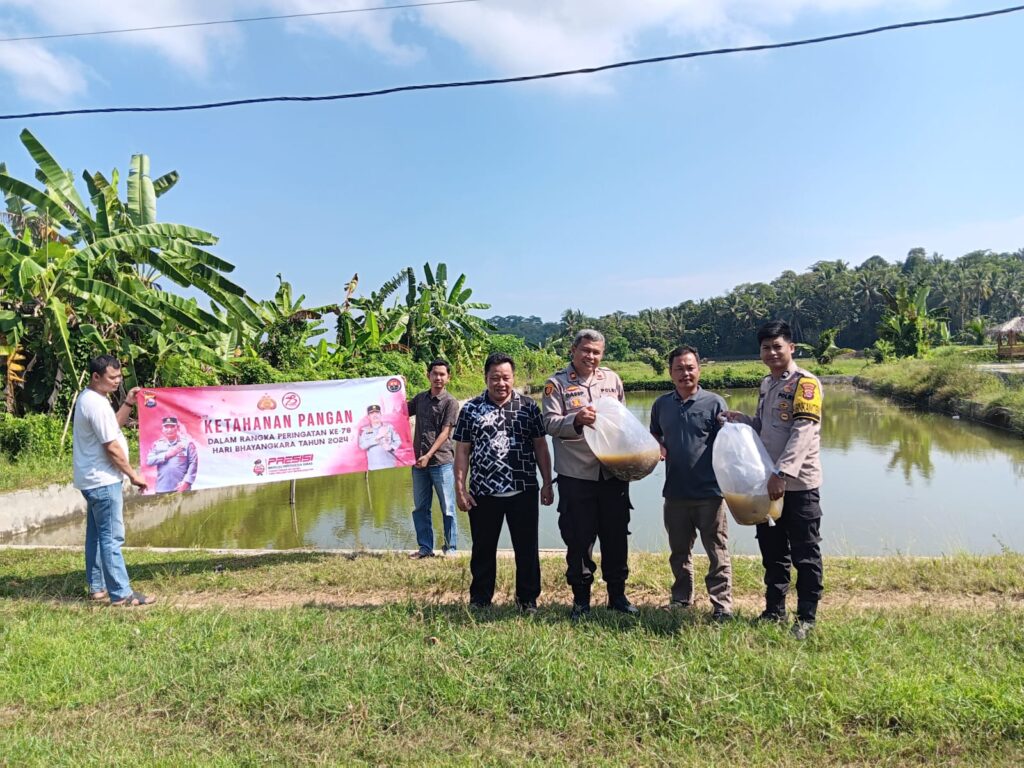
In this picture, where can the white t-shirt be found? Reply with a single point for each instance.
(95, 425)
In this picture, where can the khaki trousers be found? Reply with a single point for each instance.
(684, 519)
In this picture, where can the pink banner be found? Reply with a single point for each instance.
(192, 438)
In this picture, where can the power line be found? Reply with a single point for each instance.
(523, 78)
(217, 22)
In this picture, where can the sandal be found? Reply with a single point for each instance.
(101, 595)
(134, 600)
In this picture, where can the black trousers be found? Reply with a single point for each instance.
(793, 542)
(590, 510)
(522, 512)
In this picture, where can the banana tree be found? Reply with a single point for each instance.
(289, 327)
(378, 326)
(908, 324)
(826, 350)
(68, 267)
(441, 323)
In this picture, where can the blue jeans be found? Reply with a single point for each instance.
(440, 478)
(104, 535)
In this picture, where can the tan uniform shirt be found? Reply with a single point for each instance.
(788, 419)
(564, 394)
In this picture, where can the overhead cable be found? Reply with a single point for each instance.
(187, 24)
(522, 78)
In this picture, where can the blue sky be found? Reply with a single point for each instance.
(640, 188)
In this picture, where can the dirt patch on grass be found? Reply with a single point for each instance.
(844, 602)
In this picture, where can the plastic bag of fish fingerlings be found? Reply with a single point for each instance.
(620, 442)
(742, 466)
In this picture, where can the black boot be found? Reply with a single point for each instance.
(580, 602)
(617, 600)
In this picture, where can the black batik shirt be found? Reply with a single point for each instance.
(501, 457)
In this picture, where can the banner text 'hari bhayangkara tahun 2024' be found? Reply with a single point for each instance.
(192, 438)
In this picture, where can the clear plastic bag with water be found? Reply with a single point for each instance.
(621, 443)
(742, 466)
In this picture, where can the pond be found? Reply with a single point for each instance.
(896, 481)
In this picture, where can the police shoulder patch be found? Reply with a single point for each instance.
(548, 389)
(807, 400)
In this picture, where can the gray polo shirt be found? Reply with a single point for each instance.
(687, 429)
(433, 414)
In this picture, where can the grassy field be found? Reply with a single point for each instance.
(945, 382)
(314, 658)
(34, 472)
(726, 374)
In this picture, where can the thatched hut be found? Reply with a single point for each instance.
(1009, 338)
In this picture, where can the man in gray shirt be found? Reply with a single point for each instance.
(685, 422)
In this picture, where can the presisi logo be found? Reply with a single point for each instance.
(287, 461)
(291, 400)
(394, 385)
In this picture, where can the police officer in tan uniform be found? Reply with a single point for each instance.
(788, 419)
(592, 504)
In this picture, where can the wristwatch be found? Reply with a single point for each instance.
(780, 474)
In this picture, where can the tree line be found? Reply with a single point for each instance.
(887, 308)
(85, 274)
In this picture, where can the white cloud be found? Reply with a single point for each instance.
(41, 76)
(375, 29)
(523, 36)
(505, 36)
(186, 48)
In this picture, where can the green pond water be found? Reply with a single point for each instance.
(896, 481)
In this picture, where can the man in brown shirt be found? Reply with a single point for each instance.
(788, 419)
(436, 412)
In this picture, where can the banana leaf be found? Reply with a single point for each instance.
(141, 196)
(40, 200)
(165, 182)
(53, 175)
(116, 295)
(57, 315)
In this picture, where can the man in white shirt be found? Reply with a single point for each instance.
(100, 458)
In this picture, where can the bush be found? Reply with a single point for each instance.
(37, 434)
(507, 344)
(253, 370)
(653, 358)
(969, 354)
(882, 352)
(180, 371)
(537, 365)
(390, 364)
